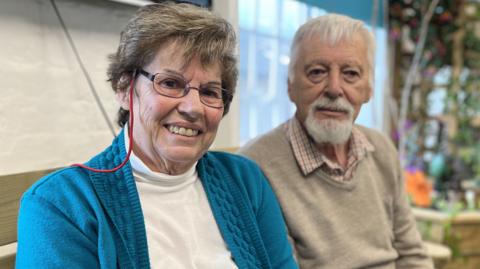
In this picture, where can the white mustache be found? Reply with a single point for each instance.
(339, 104)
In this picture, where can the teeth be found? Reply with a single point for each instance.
(182, 131)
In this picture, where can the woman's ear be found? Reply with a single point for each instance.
(122, 93)
(123, 99)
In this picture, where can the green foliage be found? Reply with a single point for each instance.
(452, 19)
(425, 229)
(438, 45)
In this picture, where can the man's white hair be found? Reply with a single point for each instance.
(332, 29)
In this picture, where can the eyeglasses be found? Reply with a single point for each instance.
(175, 86)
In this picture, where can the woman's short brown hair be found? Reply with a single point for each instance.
(197, 30)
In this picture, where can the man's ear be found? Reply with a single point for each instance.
(370, 95)
(123, 99)
(290, 90)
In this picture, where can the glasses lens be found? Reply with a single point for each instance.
(169, 85)
(174, 86)
(211, 95)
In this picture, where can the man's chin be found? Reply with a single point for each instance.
(329, 131)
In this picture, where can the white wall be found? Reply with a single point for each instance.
(48, 115)
(229, 132)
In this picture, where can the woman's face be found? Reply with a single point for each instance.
(171, 134)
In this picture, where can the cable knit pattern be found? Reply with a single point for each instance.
(107, 230)
(125, 210)
(234, 211)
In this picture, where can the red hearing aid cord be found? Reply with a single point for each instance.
(130, 135)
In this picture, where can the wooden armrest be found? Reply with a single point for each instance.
(438, 251)
(7, 256)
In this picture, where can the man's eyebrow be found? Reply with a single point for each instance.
(352, 63)
(316, 62)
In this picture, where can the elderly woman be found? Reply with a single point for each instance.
(173, 204)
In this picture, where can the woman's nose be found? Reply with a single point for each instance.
(190, 104)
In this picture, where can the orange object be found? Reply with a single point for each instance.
(418, 187)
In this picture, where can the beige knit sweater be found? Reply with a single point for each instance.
(362, 223)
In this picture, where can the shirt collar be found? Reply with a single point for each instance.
(309, 157)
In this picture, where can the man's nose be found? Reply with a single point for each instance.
(334, 89)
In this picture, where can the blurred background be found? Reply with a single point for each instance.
(56, 107)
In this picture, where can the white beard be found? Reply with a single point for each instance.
(329, 131)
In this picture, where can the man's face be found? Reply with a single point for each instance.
(329, 85)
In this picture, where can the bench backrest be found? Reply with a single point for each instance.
(12, 188)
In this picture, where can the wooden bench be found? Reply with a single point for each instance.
(460, 233)
(439, 253)
(11, 190)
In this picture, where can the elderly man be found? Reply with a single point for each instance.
(339, 184)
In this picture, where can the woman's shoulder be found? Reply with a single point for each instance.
(60, 183)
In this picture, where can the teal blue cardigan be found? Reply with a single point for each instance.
(74, 218)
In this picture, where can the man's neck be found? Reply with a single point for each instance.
(337, 153)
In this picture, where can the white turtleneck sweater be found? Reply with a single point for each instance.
(181, 230)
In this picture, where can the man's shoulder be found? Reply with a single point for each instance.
(266, 145)
(385, 153)
(378, 139)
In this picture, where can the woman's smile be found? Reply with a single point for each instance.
(183, 131)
